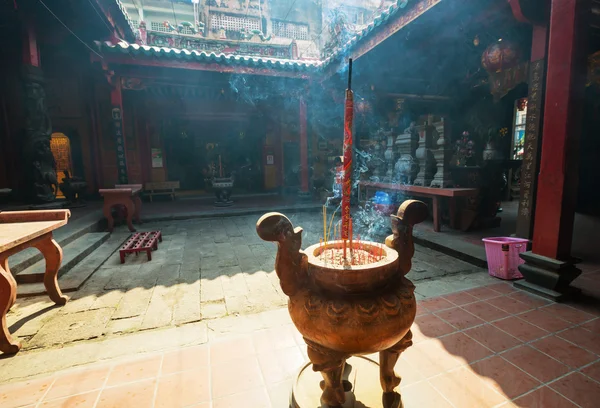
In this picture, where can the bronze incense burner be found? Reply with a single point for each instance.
(349, 310)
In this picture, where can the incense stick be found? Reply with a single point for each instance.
(325, 224)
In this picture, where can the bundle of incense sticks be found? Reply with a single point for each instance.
(347, 165)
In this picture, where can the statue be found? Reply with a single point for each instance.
(39, 162)
(339, 32)
(141, 35)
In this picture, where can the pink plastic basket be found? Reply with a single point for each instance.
(502, 255)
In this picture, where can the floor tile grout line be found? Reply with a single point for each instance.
(549, 385)
(210, 373)
(103, 387)
(554, 358)
(538, 387)
(467, 366)
(493, 351)
(586, 366)
(47, 391)
(440, 392)
(157, 378)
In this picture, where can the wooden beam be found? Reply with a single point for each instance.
(200, 66)
(413, 96)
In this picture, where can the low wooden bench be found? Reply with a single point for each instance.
(126, 195)
(161, 188)
(427, 192)
(141, 242)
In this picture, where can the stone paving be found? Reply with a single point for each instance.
(203, 269)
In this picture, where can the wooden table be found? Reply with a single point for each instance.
(20, 230)
(428, 192)
(127, 195)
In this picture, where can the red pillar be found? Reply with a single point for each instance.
(557, 184)
(303, 148)
(548, 270)
(31, 53)
(116, 99)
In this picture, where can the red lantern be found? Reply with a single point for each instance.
(500, 56)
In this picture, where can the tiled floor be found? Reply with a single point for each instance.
(486, 347)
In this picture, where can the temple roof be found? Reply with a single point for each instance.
(381, 19)
(398, 9)
(203, 57)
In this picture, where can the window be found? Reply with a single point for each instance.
(186, 30)
(233, 23)
(286, 29)
(519, 129)
(135, 23)
(154, 26)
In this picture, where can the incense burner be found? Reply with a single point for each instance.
(222, 187)
(349, 310)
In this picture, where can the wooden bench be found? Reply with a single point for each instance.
(161, 188)
(428, 192)
(127, 195)
(28, 229)
(141, 242)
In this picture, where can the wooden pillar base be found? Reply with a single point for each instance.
(547, 277)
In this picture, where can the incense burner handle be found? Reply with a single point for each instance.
(291, 264)
(410, 213)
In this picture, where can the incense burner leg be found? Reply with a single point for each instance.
(8, 295)
(331, 365)
(387, 360)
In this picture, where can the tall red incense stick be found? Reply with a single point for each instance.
(347, 176)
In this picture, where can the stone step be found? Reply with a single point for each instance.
(91, 222)
(79, 274)
(73, 253)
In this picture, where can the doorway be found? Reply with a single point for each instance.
(197, 150)
(60, 146)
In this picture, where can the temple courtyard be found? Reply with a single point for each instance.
(204, 324)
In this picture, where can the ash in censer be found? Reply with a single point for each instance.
(356, 253)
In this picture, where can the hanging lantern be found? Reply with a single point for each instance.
(500, 56)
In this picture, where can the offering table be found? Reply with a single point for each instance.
(20, 230)
(127, 195)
